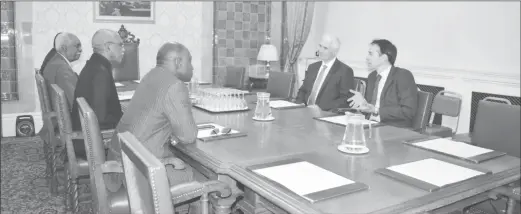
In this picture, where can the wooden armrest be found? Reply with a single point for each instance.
(111, 167)
(184, 192)
(107, 133)
(77, 135)
(509, 192)
(464, 137)
(175, 162)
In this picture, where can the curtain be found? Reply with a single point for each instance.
(298, 17)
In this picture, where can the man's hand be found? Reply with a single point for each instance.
(368, 108)
(357, 100)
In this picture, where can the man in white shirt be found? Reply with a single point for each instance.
(391, 96)
(58, 70)
(328, 82)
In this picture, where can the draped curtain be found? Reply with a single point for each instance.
(298, 16)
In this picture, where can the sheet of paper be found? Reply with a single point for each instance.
(303, 177)
(137, 81)
(119, 84)
(125, 95)
(202, 133)
(435, 172)
(282, 104)
(342, 120)
(453, 147)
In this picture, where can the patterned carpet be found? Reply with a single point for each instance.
(24, 186)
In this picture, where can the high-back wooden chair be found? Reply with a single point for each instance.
(280, 84)
(234, 77)
(147, 182)
(103, 201)
(74, 168)
(51, 147)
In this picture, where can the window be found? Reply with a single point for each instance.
(9, 75)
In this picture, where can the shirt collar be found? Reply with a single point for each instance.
(66, 60)
(330, 63)
(104, 61)
(386, 72)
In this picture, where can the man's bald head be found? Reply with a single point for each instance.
(109, 44)
(68, 45)
(176, 58)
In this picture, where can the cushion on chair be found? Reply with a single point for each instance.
(423, 111)
(280, 84)
(437, 130)
(446, 105)
(497, 127)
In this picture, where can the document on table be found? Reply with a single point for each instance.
(119, 84)
(303, 177)
(207, 132)
(283, 104)
(435, 172)
(342, 120)
(451, 147)
(125, 95)
(137, 81)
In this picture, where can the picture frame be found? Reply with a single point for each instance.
(124, 11)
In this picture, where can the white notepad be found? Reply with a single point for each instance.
(137, 81)
(125, 95)
(119, 84)
(282, 104)
(342, 120)
(453, 147)
(202, 133)
(303, 177)
(435, 172)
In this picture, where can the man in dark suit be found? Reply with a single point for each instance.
(328, 82)
(58, 69)
(160, 113)
(96, 83)
(391, 91)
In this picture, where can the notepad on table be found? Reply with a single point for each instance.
(458, 149)
(119, 84)
(341, 120)
(137, 81)
(125, 95)
(310, 181)
(280, 104)
(431, 174)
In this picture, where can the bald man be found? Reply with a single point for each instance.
(160, 112)
(328, 82)
(97, 86)
(58, 69)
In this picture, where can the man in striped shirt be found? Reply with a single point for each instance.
(160, 112)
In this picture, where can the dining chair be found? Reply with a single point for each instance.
(360, 86)
(234, 77)
(147, 182)
(445, 103)
(51, 147)
(280, 85)
(423, 111)
(103, 201)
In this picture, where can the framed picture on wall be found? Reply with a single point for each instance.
(124, 11)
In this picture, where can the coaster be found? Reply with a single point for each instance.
(270, 118)
(345, 149)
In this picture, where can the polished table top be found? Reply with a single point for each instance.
(295, 134)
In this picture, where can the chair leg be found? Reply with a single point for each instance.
(74, 195)
(204, 204)
(53, 174)
(511, 205)
(68, 202)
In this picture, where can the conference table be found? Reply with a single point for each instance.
(296, 134)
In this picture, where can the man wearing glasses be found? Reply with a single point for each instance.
(96, 84)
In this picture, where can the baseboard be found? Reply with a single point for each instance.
(9, 123)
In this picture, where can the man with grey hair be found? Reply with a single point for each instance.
(328, 82)
(97, 85)
(58, 69)
(160, 113)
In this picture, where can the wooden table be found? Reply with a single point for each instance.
(295, 134)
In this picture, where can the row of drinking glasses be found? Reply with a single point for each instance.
(221, 101)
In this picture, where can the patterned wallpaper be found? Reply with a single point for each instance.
(241, 29)
(175, 21)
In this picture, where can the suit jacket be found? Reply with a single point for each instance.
(335, 89)
(59, 72)
(97, 86)
(399, 97)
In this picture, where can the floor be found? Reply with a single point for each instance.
(24, 186)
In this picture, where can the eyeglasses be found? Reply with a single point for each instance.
(216, 131)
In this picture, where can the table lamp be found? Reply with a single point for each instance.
(268, 53)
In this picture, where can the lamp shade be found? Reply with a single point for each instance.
(268, 52)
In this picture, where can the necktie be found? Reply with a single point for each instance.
(375, 89)
(314, 92)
